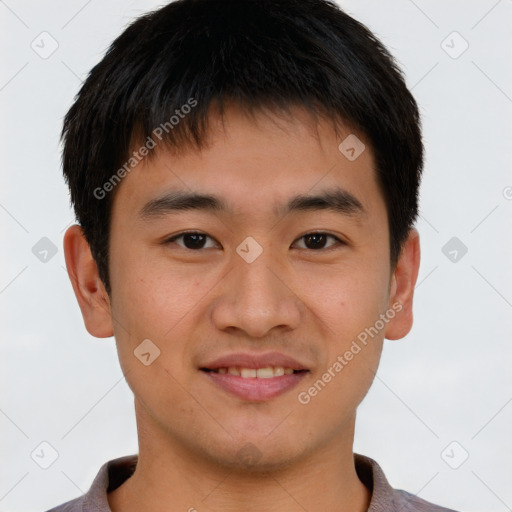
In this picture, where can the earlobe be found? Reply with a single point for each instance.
(89, 289)
(402, 288)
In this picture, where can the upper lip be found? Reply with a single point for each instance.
(254, 360)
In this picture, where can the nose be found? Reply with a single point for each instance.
(256, 298)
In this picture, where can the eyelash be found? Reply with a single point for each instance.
(184, 233)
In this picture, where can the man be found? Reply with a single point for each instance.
(245, 176)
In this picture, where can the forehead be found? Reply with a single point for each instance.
(255, 164)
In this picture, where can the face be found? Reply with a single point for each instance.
(255, 277)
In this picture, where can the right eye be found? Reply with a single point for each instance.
(192, 240)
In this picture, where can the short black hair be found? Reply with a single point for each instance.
(257, 54)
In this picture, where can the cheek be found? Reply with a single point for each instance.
(152, 300)
(151, 335)
(347, 297)
(152, 296)
(348, 303)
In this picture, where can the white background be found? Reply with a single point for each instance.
(449, 380)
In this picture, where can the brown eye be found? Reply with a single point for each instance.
(317, 241)
(191, 240)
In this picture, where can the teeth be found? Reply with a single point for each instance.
(265, 373)
(260, 373)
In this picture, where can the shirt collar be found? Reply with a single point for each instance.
(114, 472)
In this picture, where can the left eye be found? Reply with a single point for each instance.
(317, 241)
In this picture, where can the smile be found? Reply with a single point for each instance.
(255, 384)
(259, 373)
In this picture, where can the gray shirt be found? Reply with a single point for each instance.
(384, 498)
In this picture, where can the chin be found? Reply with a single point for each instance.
(251, 454)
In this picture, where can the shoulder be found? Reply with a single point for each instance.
(111, 475)
(75, 505)
(385, 498)
(407, 502)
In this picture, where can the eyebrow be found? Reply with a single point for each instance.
(336, 199)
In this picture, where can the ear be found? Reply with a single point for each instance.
(402, 286)
(87, 285)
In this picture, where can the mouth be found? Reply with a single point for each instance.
(255, 377)
(267, 372)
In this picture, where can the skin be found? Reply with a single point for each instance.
(197, 305)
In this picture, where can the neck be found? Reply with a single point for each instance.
(171, 478)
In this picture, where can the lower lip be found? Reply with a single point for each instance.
(255, 389)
